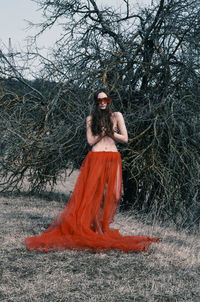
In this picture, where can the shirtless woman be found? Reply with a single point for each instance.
(105, 141)
(84, 223)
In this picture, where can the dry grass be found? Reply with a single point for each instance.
(169, 271)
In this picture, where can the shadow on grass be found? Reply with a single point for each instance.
(45, 195)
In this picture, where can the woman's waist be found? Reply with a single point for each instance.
(106, 144)
(104, 149)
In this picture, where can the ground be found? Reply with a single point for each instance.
(169, 271)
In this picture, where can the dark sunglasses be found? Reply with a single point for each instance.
(105, 100)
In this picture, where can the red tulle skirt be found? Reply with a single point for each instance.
(84, 222)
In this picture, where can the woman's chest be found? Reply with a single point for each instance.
(114, 123)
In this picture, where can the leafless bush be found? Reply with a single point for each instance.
(148, 60)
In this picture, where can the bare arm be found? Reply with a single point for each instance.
(123, 136)
(92, 139)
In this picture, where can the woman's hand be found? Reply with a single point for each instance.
(104, 132)
(109, 133)
(122, 136)
(92, 139)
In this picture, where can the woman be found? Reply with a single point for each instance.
(84, 224)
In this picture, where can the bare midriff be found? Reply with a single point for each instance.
(106, 143)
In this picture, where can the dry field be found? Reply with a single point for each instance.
(169, 271)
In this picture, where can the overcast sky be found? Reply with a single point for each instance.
(13, 14)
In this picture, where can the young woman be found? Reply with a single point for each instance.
(84, 224)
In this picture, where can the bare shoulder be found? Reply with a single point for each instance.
(117, 115)
(88, 118)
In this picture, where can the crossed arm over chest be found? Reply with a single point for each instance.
(121, 137)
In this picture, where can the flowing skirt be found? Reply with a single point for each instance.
(84, 223)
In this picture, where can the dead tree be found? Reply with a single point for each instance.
(148, 60)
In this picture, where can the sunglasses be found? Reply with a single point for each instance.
(103, 100)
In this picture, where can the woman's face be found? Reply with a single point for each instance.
(103, 105)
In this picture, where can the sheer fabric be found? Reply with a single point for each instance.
(84, 222)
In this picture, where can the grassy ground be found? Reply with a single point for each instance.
(169, 271)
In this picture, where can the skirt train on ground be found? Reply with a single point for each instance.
(84, 223)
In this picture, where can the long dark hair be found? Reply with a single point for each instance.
(101, 118)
